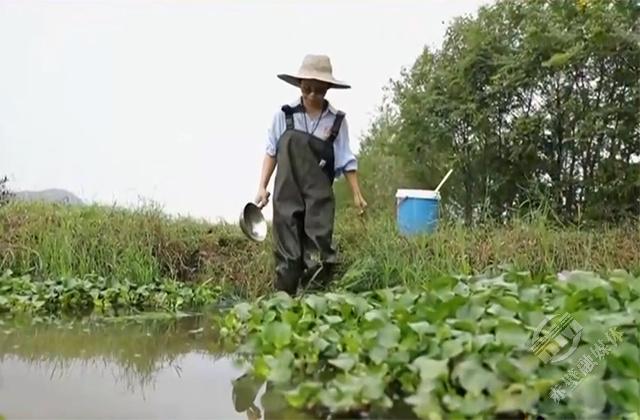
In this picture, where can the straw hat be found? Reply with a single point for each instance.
(317, 67)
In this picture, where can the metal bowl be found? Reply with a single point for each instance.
(253, 223)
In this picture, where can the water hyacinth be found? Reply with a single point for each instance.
(97, 294)
(460, 347)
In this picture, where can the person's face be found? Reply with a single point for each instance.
(314, 91)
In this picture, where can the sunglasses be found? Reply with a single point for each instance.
(319, 89)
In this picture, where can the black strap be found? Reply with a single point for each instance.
(335, 129)
(288, 113)
(336, 126)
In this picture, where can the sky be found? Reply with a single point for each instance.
(138, 101)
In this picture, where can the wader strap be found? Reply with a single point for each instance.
(336, 126)
(288, 113)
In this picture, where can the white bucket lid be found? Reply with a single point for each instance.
(417, 194)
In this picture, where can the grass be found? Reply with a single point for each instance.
(144, 245)
(382, 258)
(141, 245)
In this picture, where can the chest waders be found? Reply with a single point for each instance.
(303, 204)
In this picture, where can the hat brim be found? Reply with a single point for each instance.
(295, 81)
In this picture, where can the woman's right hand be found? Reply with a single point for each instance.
(262, 198)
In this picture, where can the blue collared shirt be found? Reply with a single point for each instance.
(345, 160)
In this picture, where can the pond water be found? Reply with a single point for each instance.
(150, 368)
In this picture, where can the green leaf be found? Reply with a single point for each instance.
(526, 364)
(378, 354)
(430, 368)
(269, 316)
(336, 400)
(469, 312)
(617, 319)
(386, 296)
(452, 348)
(505, 367)
(614, 305)
(290, 317)
(389, 336)
(301, 394)
(277, 333)
(373, 388)
(479, 341)
(332, 336)
(487, 324)
(623, 394)
(370, 334)
(461, 289)
(407, 299)
(261, 367)
(359, 303)
(425, 404)
(465, 325)
(530, 295)
(473, 405)
(280, 367)
(243, 310)
(333, 319)
(516, 397)
(344, 361)
(320, 344)
(511, 334)
(280, 300)
(593, 331)
(620, 283)
(443, 283)
(400, 357)
(500, 311)
(624, 360)
(422, 327)
(634, 284)
(317, 303)
(375, 315)
(583, 280)
(495, 285)
(448, 308)
(470, 405)
(352, 342)
(589, 398)
(472, 376)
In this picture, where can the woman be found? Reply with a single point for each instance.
(309, 141)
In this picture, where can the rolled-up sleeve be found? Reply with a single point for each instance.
(345, 160)
(275, 131)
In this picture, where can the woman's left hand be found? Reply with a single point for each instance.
(360, 203)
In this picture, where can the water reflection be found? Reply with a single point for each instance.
(269, 405)
(144, 369)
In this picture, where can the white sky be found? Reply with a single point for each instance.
(170, 101)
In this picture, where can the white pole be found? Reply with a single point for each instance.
(443, 180)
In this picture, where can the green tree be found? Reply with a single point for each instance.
(529, 102)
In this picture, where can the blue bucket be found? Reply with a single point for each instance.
(417, 211)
